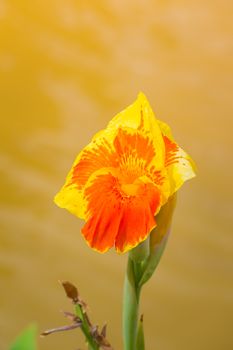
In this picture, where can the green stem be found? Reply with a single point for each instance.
(131, 298)
(130, 308)
(140, 336)
(92, 345)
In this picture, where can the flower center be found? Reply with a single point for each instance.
(131, 189)
(131, 169)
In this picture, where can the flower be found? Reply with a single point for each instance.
(122, 178)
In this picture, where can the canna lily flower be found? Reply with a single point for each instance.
(122, 178)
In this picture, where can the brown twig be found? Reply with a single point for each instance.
(99, 337)
(61, 329)
(83, 321)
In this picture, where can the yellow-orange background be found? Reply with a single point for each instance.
(66, 67)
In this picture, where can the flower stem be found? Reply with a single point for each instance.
(130, 308)
(131, 296)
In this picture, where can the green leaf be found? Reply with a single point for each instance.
(26, 340)
(140, 345)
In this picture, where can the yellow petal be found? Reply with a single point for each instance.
(179, 165)
(139, 116)
(72, 199)
(95, 156)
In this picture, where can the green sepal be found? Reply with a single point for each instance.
(153, 261)
(26, 340)
(158, 239)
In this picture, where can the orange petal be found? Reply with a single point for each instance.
(97, 155)
(115, 218)
(104, 211)
(139, 116)
(133, 143)
(138, 218)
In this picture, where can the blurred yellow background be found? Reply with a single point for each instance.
(66, 68)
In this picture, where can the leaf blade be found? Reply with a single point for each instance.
(26, 340)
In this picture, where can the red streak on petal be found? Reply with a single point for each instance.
(141, 125)
(155, 175)
(171, 149)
